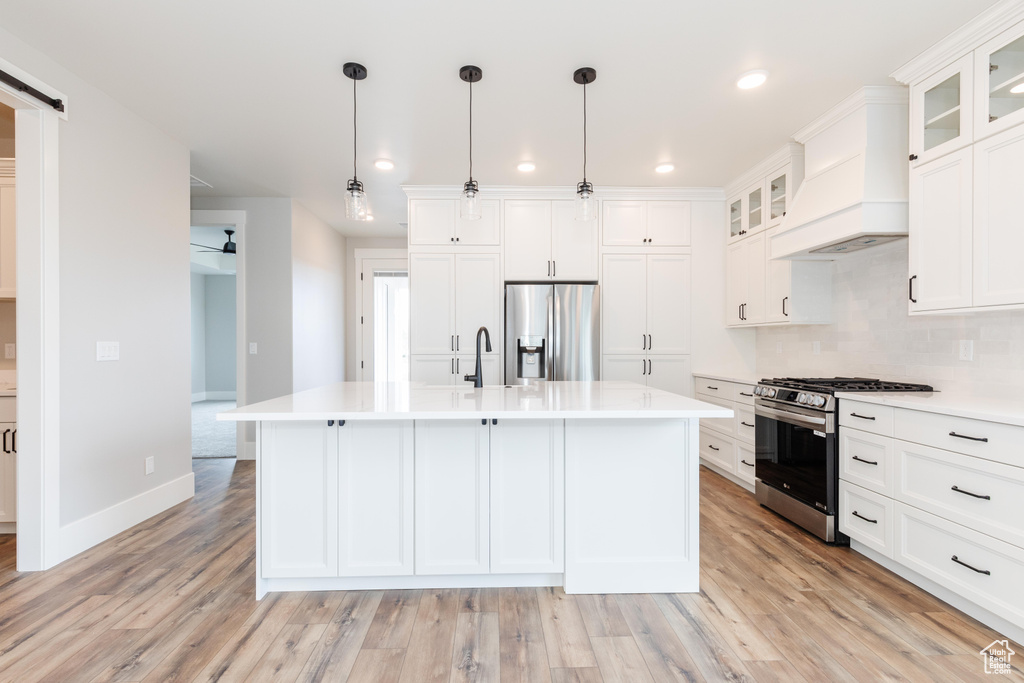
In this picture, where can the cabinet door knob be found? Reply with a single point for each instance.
(913, 157)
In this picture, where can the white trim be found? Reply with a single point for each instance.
(8, 527)
(412, 582)
(708, 194)
(360, 256)
(98, 527)
(993, 621)
(765, 167)
(214, 396)
(982, 28)
(869, 94)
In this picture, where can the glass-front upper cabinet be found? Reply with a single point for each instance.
(735, 217)
(999, 77)
(777, 191)
(941, 109)
(755, 209)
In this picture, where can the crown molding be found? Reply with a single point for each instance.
(766, 166)
(977, 31)
(869, 94)
(6, 168)
(695, 194)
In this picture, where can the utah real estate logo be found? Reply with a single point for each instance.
(997, 657)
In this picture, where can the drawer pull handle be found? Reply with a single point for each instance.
(713, 448)
(983, 439)
(867, 462)
(748, 464)
(746, 424)
(743, 393)
(973, 569)
(968, 493)
(857, 514)
(863, 417)
(712, 388)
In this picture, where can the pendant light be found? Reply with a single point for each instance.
(586, 205)
(355, 198)
(469, 205)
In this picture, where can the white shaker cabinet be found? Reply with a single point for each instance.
(527, 495)
(636, 223)
(436, 222)
(452, 497)
(451, 370)
(668, 303)
(452, 296)
(745, 281)
(544, 241)
(942, 111)
(646, 302)
(477, 300)
(670, 373)
(8, 232)
(625, 368)
(998, 69)
(998, 221)
(941, 196)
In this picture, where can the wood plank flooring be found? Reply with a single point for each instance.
(172, 600)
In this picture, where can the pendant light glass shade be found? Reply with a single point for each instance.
(469, 202)
(355, 201)
(586, 204)
(355, 198)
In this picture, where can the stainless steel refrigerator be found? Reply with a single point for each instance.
(552, 332)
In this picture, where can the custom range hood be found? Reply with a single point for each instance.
(854, 194)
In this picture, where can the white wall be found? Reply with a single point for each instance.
(122, 182)
(318, 301)
(268, 290)
(874, 336)
(351, 324)
(198, 316)
(716, 349)
(219, 323)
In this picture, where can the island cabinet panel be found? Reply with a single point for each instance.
(299, 500)
(631, 506)
(376, 498)
(452, 497)
(527, 496)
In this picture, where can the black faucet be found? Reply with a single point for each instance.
(478, 378)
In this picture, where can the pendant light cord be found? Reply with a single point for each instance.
(584, 131)
(354, 136)
(471, 130)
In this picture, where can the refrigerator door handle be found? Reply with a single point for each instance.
(552, 336)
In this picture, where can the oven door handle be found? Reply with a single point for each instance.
(809, 421)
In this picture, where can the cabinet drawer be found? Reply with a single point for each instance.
(988, 440)
(718, 450)
(723, 425)
(866, 417)
(867, 517)
(742, 393)
(745, 462)
(866, 459)
(743, 423)
(713, 388)
(982, 495)
(928, 545)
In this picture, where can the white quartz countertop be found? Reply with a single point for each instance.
(739, 378)
(414, 401)
(974, 407)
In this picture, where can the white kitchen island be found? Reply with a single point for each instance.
(588, 485)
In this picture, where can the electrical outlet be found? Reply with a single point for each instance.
(150, 464)
(252, 348)
(9, 351)
(816, 348)
(966, 349)
(107, 351)
(778, 347)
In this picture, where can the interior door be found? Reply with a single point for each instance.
(574, 245)
(941, 197)
(432, 303)
(998, 221)
(624, 303)
(367, 313)
(478, 301)
(668, 303)
(527, 240)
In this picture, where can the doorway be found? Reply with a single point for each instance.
(214, 362)
(383, 317)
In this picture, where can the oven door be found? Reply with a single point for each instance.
(796, 453)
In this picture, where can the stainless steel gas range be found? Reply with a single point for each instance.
(797, 447)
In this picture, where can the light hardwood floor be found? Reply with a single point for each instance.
(172, 600)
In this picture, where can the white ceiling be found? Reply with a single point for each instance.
(255, 90)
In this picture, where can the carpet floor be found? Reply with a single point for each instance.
(210, 438)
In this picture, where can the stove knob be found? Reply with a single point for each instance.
(819, 401)
(771, 393)
(802, 398)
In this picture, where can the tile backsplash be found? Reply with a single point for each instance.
(872, 335)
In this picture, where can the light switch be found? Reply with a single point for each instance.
(107, 351)
(150, 464)
(9, 351)
(252, 348)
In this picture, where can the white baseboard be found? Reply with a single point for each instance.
(214, 396)
(248, 451)
(98, 527)
(8, 527)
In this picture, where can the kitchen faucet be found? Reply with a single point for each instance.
(478, 378)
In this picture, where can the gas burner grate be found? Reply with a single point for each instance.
(830, 385)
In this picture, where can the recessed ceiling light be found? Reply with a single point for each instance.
(1016, 90)
(665, 168)
(526, 166)
(752, 79)
(384, 164)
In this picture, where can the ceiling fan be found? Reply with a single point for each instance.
(228, 248)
